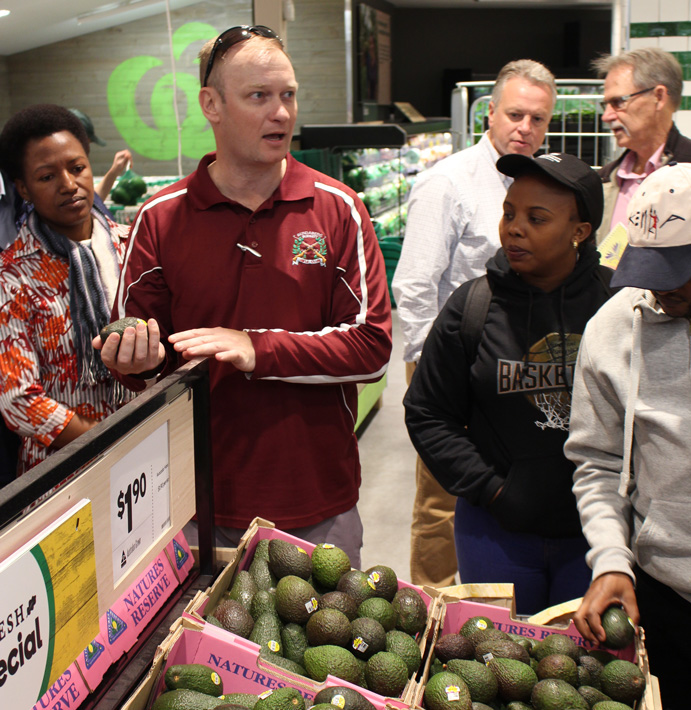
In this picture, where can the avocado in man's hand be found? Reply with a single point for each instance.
(119, 326)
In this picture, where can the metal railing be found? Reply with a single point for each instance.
(576, 126)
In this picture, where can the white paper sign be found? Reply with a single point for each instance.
(25, 630)
(139, 500)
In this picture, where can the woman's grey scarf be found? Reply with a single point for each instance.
(89, 307)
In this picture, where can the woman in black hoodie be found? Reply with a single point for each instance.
(489, 413)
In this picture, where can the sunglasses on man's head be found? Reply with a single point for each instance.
(232, 36)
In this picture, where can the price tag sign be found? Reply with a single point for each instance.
(139, 500)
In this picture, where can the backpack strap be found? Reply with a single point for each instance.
(475, 311)
(604, 276)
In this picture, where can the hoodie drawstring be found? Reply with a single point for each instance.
(529, 321)
(568, 384)
(634, 381)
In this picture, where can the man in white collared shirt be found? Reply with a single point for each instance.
(642, 91)
(452, 230)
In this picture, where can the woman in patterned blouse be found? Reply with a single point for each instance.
(57, 284)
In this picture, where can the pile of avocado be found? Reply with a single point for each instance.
(194, 686)
(483, 668)
(315, 616)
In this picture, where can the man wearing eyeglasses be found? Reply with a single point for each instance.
(271, 270)
(642, 91)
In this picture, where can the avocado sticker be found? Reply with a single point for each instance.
(373, 580)
(453, 692)
(359, 644)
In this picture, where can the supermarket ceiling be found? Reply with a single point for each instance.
(34, 23)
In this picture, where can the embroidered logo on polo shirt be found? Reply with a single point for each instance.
(309, 248)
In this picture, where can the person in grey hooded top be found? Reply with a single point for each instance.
(630, 434)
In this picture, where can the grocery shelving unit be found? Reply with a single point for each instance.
(380, 162)
(84, 470)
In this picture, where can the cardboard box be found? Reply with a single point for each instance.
(180, 557)
(237, 662)
(452, 613)
(121, 626)
(265, 530)
(68, 691)
(456, 613)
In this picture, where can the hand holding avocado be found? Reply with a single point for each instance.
(132, 346)
(611, 589)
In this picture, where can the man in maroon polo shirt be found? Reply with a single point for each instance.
(272, 270)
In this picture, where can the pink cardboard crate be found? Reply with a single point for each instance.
(244, 559)
(94, 661)
(457, 613)
(180, 556)
(266, 531)
(242, 670)
(123, 622)
(453, 614)
(68, 691)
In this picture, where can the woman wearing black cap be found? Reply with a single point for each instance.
(488, 406)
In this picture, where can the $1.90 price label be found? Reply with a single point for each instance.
(135, 493)
(140, 500)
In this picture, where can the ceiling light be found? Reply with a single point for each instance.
(4, 13)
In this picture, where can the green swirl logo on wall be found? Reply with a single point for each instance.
(128, 86)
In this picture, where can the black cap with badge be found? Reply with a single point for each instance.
(570, 171)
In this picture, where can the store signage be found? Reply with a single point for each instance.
(48, 607)
(142, 100)
(139, 500)
(374, 55)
